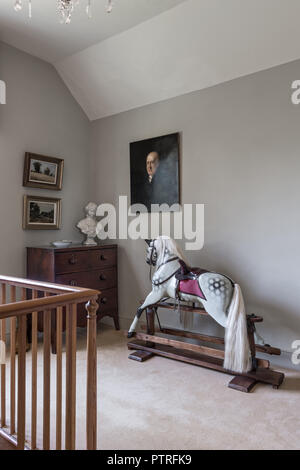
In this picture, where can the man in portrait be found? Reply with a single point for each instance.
(152, 163)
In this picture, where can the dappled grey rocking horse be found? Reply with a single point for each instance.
(219, 295)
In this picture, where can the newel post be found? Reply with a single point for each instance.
(91, 395)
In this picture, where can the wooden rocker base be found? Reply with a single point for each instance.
(147, 345)
(241, 382)
(140, 356)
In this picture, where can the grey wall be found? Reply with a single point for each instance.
(42, 117)
(240, 157)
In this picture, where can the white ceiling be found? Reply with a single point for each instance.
(196, 44)
(44, 36)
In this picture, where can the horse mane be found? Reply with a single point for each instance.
(163, 243)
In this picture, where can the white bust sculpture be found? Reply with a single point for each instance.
(87, 226)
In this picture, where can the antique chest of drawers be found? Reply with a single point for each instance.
(93, 267)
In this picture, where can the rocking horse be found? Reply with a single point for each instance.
(218, 296)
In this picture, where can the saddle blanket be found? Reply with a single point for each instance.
(191, 287)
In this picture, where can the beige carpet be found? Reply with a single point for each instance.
(164, 404)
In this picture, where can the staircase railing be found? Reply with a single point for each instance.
(52, 302)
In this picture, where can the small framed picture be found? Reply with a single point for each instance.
(43, 172)
(41, 213)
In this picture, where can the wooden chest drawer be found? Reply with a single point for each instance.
(83, 261)
(102, 258)
(108, 300)
(108, 304)
(99, 279)
(103, 278)
(71, 262)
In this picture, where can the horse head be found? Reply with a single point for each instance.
(151, 257)
(160, 249)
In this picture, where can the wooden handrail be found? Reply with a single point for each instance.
(40, 285)
(14, 309)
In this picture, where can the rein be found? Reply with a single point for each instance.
(168, 261)
(156, 283)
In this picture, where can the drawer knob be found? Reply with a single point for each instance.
(72, 260)
(103, 258)
(73, 283)
(102, 277)
(103, 300)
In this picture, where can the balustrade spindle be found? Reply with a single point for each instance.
(46, 391)
(3, 366)
(71, 318)
(34, 321)
(91, 393)
(21, 382)
(13, 322)
(58, 377)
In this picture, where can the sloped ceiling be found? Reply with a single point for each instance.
(45, 37)
(195, 45)
(151, 50)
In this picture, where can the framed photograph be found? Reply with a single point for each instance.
(43, 172)
(154, 171)
(41, 213)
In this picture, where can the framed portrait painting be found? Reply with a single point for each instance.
(41, 213)
(43, 172)
(154, 171)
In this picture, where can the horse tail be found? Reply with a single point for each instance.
(237, 349)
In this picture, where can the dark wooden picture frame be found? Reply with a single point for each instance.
(43, 172)
(161, 183)
(39, 215)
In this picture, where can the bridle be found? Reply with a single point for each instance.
(153, 249)
(151, 261)
(174, 258)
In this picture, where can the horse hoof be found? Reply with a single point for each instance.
(130, 334)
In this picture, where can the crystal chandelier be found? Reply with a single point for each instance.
(65, 8)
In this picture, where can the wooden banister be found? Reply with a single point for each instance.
(58, 302)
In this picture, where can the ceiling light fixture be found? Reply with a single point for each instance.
(65, 8)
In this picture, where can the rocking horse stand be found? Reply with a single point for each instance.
(148, 344)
